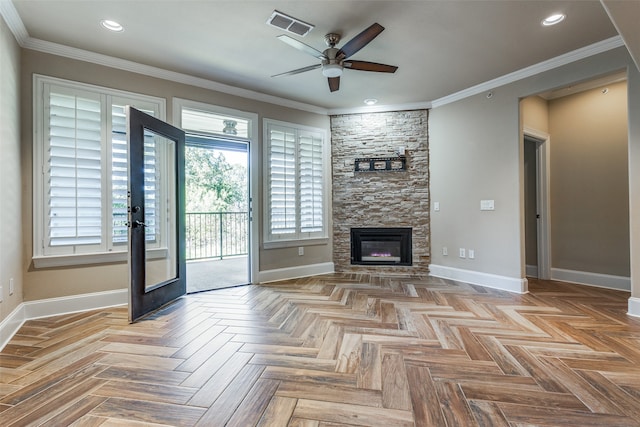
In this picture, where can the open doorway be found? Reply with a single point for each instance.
(587, 173)
(217, 213)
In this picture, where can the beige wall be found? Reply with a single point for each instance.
(476, 153)
(535, 114)
(10, 182)
(590, 181)
(58, 282)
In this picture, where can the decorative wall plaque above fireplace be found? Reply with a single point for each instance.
(381, 164)
(381, 246)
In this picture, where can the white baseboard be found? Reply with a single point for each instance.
(531, 270)
(295, 272)
(57, 306)
(10, 325)
(511, 284)
(620, 283)
(634, 307)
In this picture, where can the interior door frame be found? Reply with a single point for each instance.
(542, 141)
(142, 299)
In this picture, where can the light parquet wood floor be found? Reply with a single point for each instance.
(335, 350)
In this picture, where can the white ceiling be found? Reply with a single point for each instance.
(441, 47)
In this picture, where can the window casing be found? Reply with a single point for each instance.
(80, 172)
(295, 183)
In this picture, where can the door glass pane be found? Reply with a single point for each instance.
(160, 209)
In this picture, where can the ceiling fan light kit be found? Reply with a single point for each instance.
(331, 70)
(334, 60)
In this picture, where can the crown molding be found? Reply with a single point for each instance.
(135, 67)
(15, 24)
(550, 64)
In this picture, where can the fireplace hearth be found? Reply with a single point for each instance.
(381, 246)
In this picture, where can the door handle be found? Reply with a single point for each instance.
(139, 223)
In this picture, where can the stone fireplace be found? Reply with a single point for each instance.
(384, 199)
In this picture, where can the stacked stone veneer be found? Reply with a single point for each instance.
(385, 198)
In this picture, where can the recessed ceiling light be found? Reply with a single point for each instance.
(371, 101)
(112, 25)
(554, 19)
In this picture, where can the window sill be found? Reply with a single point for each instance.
(277, 244)
(93, 258)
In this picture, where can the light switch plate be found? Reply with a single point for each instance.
(436, 206)
(487, 205)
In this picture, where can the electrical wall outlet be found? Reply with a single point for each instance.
(300, 250)
(462, 253)
(471, 253)
(445, 251)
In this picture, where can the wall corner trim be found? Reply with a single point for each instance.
(295, 272)
(494, 281)
(634, 307)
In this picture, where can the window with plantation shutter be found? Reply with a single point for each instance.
(295, 182)
(80, 172)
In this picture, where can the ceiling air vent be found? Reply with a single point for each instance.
(288, 23)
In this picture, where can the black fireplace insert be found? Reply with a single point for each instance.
(381, 246)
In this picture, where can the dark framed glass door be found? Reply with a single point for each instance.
(157, 269)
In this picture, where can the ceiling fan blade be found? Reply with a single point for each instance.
(360, 41)
(370, 66)
(334, 83)
(299, 70)
(302, 47)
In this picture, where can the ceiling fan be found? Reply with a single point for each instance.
(334, 60)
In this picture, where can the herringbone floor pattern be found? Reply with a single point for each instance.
(335, 350)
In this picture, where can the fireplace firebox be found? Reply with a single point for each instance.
(381, 246)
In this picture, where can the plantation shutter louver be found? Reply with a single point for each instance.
(151, 178)
(119, 174)
(282, 180)
(311, 189)
(74, 170)
(119, 165)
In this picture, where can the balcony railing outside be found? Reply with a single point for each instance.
(216, 234)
